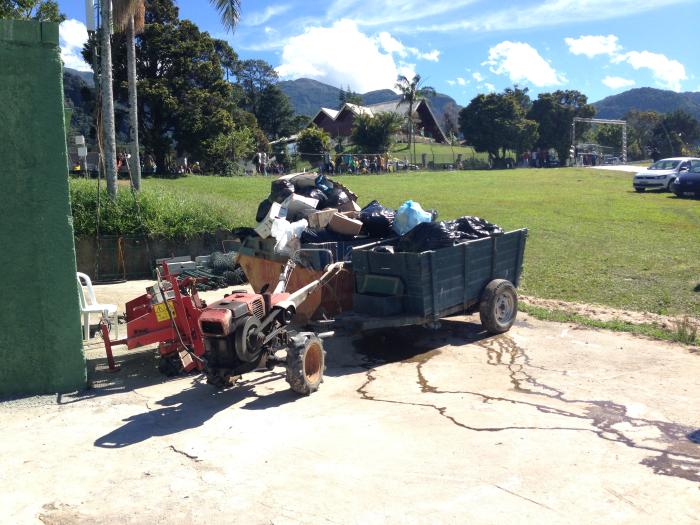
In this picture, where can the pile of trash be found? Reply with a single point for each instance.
(309, 208)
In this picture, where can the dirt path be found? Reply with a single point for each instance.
(606, 313)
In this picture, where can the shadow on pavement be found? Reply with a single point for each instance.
(188, 409)
(138, 369)
(397, 344)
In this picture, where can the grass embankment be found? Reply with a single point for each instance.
(154, 212)
(592, 239)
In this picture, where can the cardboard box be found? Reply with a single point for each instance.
(264, 227)
(296, 204)
(349, 206)
(341, 224)
(351, 214)
(320, 219)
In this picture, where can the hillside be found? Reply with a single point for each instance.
(78, 92)
(308, 96)
(648, 99)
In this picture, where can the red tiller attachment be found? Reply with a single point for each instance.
(167, 316)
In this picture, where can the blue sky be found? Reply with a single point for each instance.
(461, 47)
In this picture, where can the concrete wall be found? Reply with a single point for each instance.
(40, 343)
(134, 256)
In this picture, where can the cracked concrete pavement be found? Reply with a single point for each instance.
(548, 423)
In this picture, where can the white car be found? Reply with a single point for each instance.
(661, 174)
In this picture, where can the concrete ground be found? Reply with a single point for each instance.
(550, 423)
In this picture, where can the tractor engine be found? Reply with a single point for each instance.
(233, 336)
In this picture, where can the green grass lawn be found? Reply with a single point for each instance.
(592, 239)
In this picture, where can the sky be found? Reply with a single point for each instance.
(459, 47)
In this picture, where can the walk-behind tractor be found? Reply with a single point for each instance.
(242, 332)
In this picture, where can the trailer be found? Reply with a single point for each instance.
(404, 289)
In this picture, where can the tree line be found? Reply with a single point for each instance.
(511, 122)
(192, 94)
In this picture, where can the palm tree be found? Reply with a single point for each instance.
(229, 11)
(109, 142)
(129, 15)
(411, 92)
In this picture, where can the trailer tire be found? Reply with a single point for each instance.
(306, 363)
(498, 306)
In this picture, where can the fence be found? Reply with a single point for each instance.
(360, 163)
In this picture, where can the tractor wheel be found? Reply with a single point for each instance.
(306, 362)
(498, 306)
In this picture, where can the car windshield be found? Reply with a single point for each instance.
(664, 165)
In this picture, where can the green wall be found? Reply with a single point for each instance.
(40, 343)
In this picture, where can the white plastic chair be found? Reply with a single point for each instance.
(89, 305)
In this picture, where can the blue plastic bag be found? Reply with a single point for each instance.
(408, 216)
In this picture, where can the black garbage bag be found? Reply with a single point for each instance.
(243, 233)
(311, 236)
(428, 236)
(280, 189)
(336, 197)
(377, 220)
(263, 210)
(474, 227)
(315, 193)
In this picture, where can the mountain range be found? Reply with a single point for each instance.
(648, 99)
(308, 96)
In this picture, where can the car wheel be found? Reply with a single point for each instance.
(670, 183)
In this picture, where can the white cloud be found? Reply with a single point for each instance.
(260, 17)
(391, 45)
(617, 82)
(478, 76)
(342, 55)
(459, 81)
(431, 56)
(667, 73)
(489, 87)
(73, 35)
(522, 63)
(593, 45)
(549, 13)
(384, 12)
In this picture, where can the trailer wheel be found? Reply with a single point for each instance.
(306, 362)
(498, 306)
